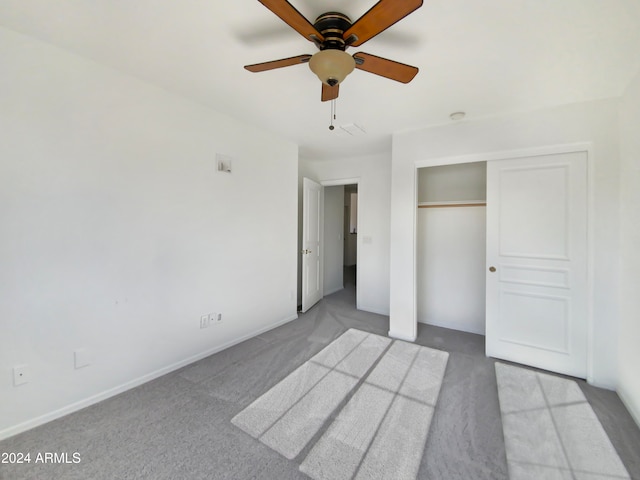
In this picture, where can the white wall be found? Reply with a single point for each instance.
(445, 183)
(629, 353)
(333, 238)
(373, 221)
(118, 234)
(595, 122)
(451, 244)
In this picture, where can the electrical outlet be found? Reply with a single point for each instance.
(204, 321)
(218, 318)
(20, 375)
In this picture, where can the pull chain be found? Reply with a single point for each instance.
(333, 113)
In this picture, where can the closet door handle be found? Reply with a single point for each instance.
(492, 269)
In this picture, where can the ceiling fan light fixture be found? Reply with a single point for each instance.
(332, 66)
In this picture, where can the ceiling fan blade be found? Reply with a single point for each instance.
(284, 62)
(293, 18)
(385, 68)
(329, 93)
(380, 17)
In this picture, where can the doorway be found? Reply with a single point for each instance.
(350, 246)
(536, 267)
(340, 251)
(451, 244)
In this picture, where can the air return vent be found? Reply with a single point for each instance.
(353, 130)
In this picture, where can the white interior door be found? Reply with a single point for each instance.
(311, 243)
(537, 262)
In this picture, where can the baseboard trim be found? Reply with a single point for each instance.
(634, 408)
(400, 336)
(74, 407)
(334, 290)
(373, 310)
(454, 326)
(604, 385)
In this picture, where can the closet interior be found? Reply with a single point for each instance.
(451, 246)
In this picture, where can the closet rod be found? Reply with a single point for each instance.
(448, 205)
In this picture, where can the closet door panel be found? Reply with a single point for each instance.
(537, 262)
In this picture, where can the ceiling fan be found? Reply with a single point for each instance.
(333, 33)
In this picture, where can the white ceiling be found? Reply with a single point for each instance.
(484, 57)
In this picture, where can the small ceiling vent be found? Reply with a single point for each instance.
(353, 130)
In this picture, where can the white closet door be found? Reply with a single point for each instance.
(537, 262)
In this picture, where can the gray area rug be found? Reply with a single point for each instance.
(551, 431)
(382, 429)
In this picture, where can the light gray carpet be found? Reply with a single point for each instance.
(379, 433)
(551, 431)
(291, 413)
(179, 426)
(382, 431)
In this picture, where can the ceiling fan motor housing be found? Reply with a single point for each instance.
(331, 64)
(332, 26)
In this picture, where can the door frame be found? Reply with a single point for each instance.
(337, 183)
(586, 147)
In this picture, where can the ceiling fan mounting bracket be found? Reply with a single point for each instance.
(332, 26)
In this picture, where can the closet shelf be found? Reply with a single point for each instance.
(463, 203)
